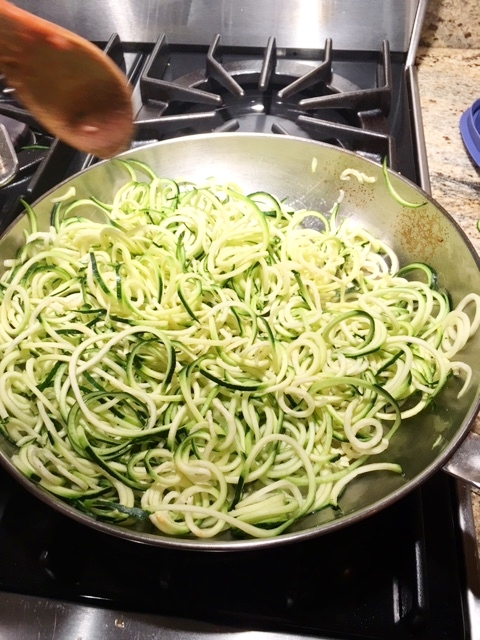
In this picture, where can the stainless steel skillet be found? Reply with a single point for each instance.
(306, 174)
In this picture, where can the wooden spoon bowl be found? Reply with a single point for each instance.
(73, 89)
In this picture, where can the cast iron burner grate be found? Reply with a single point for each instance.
(180, 90)
(268, 94)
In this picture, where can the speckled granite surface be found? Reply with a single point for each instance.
(452, 23)
(449, 81)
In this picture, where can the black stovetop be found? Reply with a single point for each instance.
(394, 575)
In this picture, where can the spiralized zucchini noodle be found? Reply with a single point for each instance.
(212, 360)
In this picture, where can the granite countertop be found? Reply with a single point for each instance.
(449, 81)
(451, 23)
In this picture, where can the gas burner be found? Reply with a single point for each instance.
(266, 94)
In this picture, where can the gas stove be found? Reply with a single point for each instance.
(334, 73)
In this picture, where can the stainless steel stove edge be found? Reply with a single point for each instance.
(23, 617)
(418, 130)
(471, 561)
(416, 33)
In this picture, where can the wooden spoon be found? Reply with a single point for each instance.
(69, 85)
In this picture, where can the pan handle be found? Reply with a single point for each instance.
(465, 462)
